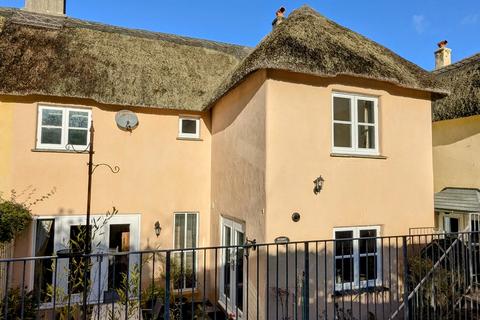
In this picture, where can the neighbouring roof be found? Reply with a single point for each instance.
(458, 199)
(307, 42)
(463, 80)
(66, 57)
(61, 56)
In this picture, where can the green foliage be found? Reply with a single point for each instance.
(14, 218)
(15, 305)
(15, 214)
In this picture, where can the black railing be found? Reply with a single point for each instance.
(428, 276)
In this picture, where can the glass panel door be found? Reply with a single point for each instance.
(231, 277)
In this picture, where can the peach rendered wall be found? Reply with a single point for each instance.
(238, 158)
(456, 153)
(395, 193)
(159, 175)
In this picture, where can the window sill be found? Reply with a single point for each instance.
(189, 139)
(350, 292)
(59, 151)
(353, 155)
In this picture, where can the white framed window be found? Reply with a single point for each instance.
(61, 127)
(357, 257)
(189, 127)
(354, 124)
(185, 236)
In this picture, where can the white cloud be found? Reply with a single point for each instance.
(473, 18)
(419, 23)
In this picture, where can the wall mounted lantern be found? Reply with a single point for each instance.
(158, 229)
(318, 185)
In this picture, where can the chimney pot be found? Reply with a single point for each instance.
(443, 56)
(279, 17)
(53, 7)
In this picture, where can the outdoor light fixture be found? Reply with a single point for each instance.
(157, 228)
(318, 185)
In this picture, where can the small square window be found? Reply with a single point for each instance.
(189, 127)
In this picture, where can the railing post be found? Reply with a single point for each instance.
(306, 284)
(406, 309)
(167, 286)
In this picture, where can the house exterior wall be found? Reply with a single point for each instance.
(159, 174)
(456, 150)
(395, 193)
(238, 158)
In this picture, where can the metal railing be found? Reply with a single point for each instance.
(428, 276)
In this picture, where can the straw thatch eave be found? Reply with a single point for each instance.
(65, 57)
(463, 80)
(307, 42)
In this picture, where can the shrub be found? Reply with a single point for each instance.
(14, 218)
(15, 305)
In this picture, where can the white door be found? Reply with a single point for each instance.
(231, 268)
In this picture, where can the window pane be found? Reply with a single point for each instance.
(191, 230)
(77, 137)
(43, 275)
(344, 270)
(189, 269)
(52, 117)
(341, 109)
(179, 237)
(343, 247)
(189, 126)
(51, 135)
(78, 119)
(368, 246)
(341, 135)
(365, 111)
(368, 267)
(366, 137)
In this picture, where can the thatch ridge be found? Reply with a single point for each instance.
(307, 42)
(463, 79)
(65, 57)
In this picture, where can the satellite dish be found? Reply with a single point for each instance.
(126, 120)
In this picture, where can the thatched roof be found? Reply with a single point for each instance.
(307, 42)
(65, 57)
(463, 80)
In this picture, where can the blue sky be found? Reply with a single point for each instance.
(409, 27)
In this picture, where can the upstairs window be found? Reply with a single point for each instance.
(189, 127)
(59, 128)
(355, 124)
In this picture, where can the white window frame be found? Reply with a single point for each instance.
(65, 127)
(184, 252)
(355, 149)
(357, 284)
(184, 135)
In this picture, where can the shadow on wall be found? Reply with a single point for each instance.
(451, 131)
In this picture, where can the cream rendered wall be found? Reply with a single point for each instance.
(159, 175)
(6, 123)
(395, 193)
(456, 153)
(238, 158)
